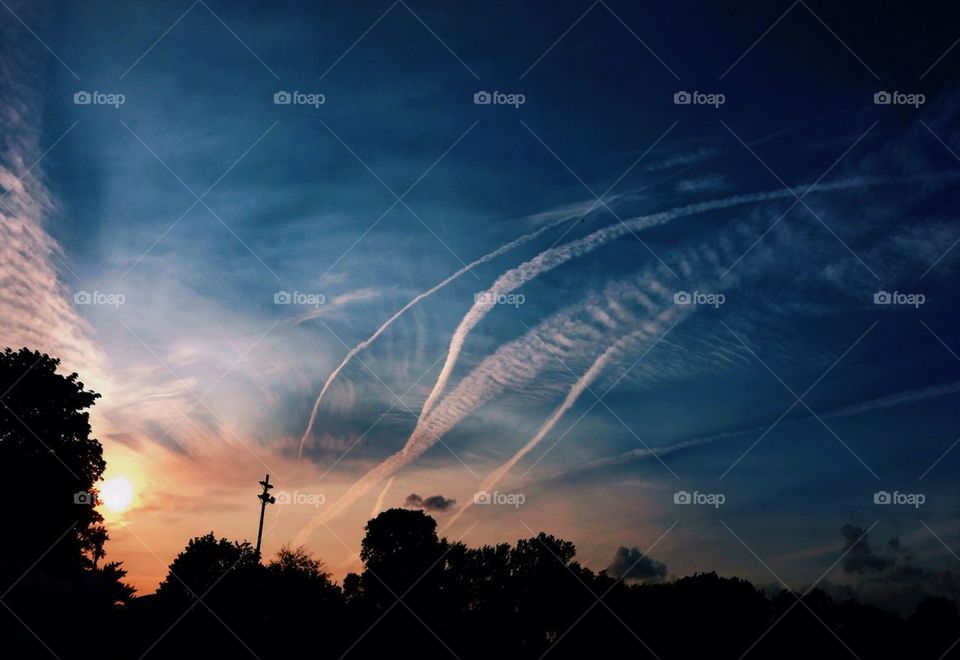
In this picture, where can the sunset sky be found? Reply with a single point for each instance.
(206, 256)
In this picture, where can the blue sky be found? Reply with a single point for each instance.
(304, 199)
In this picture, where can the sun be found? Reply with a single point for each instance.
(116, 494)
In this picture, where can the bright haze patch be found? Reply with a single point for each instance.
(117, 494)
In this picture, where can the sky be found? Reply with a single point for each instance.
(675, 280)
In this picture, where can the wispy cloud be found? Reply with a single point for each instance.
(526, 238)
(651, 332)
(864, 407)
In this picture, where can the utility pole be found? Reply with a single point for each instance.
(265, 498)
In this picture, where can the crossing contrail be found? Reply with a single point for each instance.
(578, 388)
(430, 427)
(517, 242)
(513, 364)
(556, 256)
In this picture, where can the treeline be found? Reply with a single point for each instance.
(418, 595)
(423, 596)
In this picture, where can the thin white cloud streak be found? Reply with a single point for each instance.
(517, 242)
(378, 506)
(554, 257)
(899, 399)
(573, 332)
(642, 453)
(514, 364)
(430, 427)
(652, 329)
(336, 304)
(872, 405)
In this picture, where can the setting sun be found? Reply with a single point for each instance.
(117, 494)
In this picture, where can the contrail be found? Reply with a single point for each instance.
(416, 299)
(883, 403)
(383, 493)
(550, 259)
(573, 394)
(425, 435)
(515, 364)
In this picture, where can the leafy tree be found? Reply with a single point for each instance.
(203, 564)
(52, 464)
(400, 550)
(208, 596)
(544, 583)
(298, 564)
(401, 582)
(299, 596)
(294, 576)
(51, 574)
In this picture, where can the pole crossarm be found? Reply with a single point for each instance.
(265, 498)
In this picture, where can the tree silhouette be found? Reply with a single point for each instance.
(203, 564)
(400, 584)
(50, 570)
(208, 593)
(401, 553)
(418, 594)
(299, 596)
(934, 624)
(45, 439)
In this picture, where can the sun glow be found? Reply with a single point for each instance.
(116, 494)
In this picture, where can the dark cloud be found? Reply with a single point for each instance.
(432, 503)
(861, 558)
(631, 564)
(895, 582)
